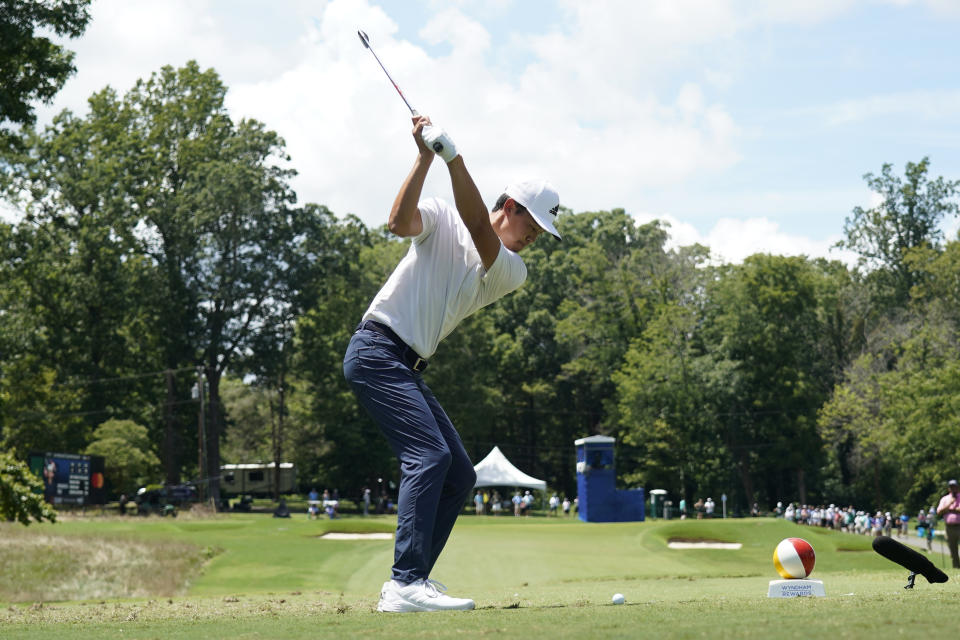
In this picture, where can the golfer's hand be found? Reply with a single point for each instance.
(439, 142)
(419, 122)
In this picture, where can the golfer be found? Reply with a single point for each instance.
(460, 259)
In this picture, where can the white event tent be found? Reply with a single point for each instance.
(496, 471)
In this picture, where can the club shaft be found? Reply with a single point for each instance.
(366, 43)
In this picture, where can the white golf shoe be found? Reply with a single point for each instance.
(421, 595)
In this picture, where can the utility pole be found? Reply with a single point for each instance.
(201, 434)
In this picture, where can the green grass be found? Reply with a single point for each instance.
(531, 578)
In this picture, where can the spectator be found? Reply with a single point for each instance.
(281, 511)
(698, 507)
(789, 513)
(478, 503)
(330, 504)
(554, 504)
(366, 501)
(527, 504)
(849, 519)
(517, 501)
(949, 511)
(931, 526)
(313, 505)
(709, 506)
(566, 506)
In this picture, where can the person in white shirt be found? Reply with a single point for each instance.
(460, 260)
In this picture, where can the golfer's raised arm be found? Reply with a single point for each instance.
(466, 196)
(405, 216)
(473, 212)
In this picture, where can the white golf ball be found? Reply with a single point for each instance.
(618, 598)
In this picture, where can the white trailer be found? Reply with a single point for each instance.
(256, 478)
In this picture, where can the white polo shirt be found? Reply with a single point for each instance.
(441, 281)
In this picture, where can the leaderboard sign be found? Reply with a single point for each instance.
(69, 478)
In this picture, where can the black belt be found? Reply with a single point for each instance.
(410, 357)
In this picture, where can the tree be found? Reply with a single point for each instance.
(334, 441)
(762, 325)
(21, 493)
(890, 425)
(908, 217)
(199, 202)
(937, 284)
(669, 390)
(31, 66)
(129, 459)
(77, 297)
(246, 438)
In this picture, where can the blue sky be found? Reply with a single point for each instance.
(747, 125)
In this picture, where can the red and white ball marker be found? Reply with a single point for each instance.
(794, 558)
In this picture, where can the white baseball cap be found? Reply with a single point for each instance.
(540, 198)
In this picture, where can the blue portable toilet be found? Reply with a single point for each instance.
(598, 498)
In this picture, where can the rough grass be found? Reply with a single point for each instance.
(45, 565)
(531, 578)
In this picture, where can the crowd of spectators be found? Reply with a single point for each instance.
(859, 521)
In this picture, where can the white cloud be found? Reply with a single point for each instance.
(619, 100)
(578, 124)
(127, 40)
(9, 213)
(732, 239)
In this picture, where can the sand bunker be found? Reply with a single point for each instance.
(702, 544)
(357, 536)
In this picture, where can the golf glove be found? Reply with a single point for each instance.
(439, 141)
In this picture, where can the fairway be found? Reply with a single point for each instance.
(532, 578)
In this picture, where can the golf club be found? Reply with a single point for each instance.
(908, 559)
(366, 43)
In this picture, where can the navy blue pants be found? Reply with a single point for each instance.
(436, 475)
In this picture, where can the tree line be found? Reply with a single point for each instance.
(164, 297)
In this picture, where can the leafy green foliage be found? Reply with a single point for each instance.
(21, 493)
(32, 67)
(908, 217)
(174, 243)
(161, 236)
(129, 458)
(891, 425)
